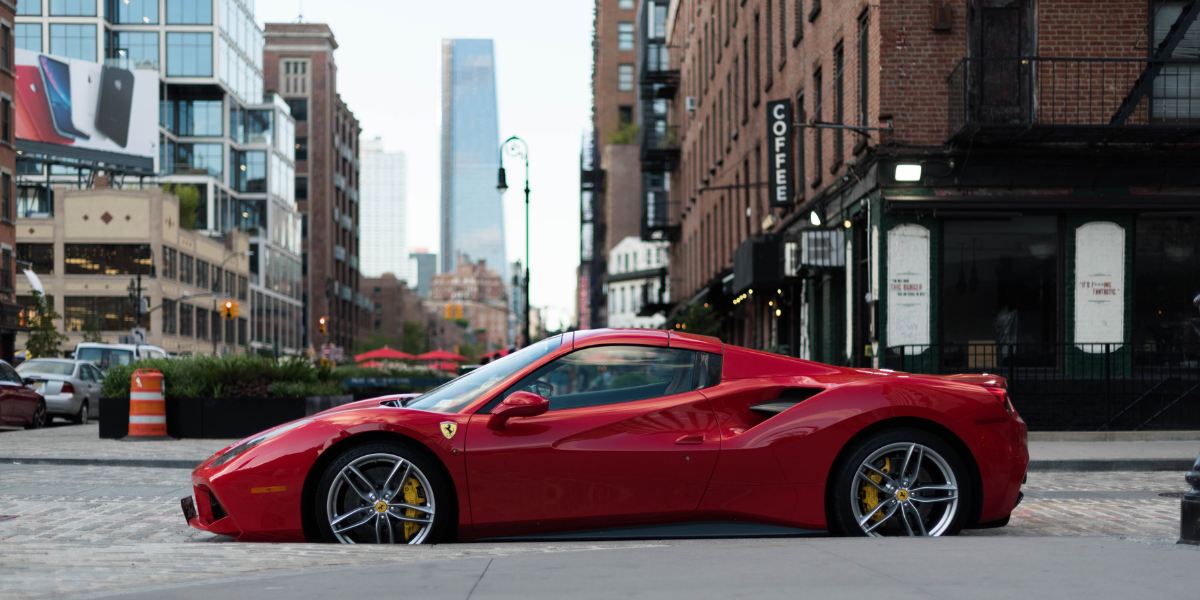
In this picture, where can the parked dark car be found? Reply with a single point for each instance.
(20, 404)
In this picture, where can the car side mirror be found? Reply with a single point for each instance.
(519, 404)
(26, 381)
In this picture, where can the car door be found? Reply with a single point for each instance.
(97, 383)
(19, 399)
(626, 438)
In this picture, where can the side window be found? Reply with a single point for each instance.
(11, 376)
(611, 375)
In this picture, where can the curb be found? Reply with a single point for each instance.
(105, 462)
(1182, 465)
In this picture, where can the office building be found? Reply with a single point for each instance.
(299, 65)
(384, 216)
(475, 296)
(100, 243)
(472, 217)
(425, 267)
(218, 131)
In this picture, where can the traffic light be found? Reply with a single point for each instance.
(458, 311)
(229, 310)
(321, 325)
(449, 311)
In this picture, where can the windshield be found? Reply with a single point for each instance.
(456, 394)
(47, 367)
(105, 357)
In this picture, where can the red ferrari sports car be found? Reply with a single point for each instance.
(592, 432)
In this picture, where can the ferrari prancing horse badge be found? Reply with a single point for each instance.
(449, 428)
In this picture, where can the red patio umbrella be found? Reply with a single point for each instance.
(383, 353)
(441, 355)
(371, 364)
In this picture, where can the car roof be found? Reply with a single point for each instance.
(58, 360)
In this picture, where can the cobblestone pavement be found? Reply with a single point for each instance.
(67, 530)
(83, 442)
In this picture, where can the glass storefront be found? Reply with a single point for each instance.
(1166, 277)
(1000, 280)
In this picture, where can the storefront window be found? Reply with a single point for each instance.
(1166, 271)
(999, 281)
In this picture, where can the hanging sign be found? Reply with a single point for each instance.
(779, 136)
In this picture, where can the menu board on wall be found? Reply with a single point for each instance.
(908, 287)
(1099, 285)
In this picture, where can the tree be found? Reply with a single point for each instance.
(375, 341)
(91, 330)
(44, 337)
(416, 338)
(189, 203)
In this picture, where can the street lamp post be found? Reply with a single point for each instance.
(515, 146)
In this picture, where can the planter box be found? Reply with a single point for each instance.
(218, 418)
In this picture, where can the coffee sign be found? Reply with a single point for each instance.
(779, 136)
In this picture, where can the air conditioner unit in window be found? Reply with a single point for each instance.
(823, 248)
(690, 103)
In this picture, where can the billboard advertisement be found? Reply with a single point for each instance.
(86, 105)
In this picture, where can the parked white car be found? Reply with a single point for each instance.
(71, 388)
(111, 355)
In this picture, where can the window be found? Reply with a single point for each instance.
(818, 151)
(198, 159)
(29, 8)
(186, 316)
(801, 117)
(108, 313)
(625, 4)
(625, 114)
(169, 317)
(624, 36)
(194, 117)
(41, 255)
(301, 148)
(168, 266)
(1165, 272)
(70, 8)
(188, 54)
(6, 193)
(625, 78)
(29, 36)
(202, 270)
(202, 322)
(864, 70)
(299, 108)
(5, 49)
(185, 268)
(106, 259)
(251, 175)
(73, 41)
(241, 331)
(243, 287)
(134, 50)
(799, 19)
(217, 325)
(757, 63)
(746, 80)
(301, 187)
(133, 12)
(189, 12)
(295, 78)
(770, 48)
(216, 279)
(839, 106)
(611, 375)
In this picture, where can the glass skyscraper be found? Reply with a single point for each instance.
(472, 219)
(383, 184)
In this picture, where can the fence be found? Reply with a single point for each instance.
(1078, 387)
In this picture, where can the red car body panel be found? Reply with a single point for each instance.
(700, 455)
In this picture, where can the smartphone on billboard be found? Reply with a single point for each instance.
(115, 103)
(56, 77)
(33, 118)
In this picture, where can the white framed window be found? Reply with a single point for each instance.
(624, 36)
(625, 78)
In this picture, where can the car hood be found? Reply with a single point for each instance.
(369, 403)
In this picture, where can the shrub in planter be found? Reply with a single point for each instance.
(233, 376)
(304, 389)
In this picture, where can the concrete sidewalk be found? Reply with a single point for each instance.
(81, 445)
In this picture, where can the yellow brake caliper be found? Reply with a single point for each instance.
(871, 493)
(413, 496)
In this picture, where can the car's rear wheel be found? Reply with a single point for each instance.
(382, 493)
(40, 418)
(900, 482)
(81, 417)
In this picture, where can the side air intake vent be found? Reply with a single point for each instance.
(787, 399)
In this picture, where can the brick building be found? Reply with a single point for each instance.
(969, 185)
(474, 294)
(9, 309)
(298, 64)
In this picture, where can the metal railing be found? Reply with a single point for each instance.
(660, 136)
(1077, 387)
(1073, 93)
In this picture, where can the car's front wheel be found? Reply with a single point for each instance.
(899, 482)
(383, 493)
(40, 417)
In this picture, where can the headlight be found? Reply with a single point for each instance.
(241, 448)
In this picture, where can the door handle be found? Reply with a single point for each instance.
(690, 440)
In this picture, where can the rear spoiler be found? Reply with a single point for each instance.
(985, 380)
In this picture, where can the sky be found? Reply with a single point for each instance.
(389, 74)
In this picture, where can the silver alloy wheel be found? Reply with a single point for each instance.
(83, 414)
(39, 416)
(919, 499)
(367, 503)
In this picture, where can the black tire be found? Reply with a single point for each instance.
(843, 491)
(81, 417)
(442, 502)
(40, 418)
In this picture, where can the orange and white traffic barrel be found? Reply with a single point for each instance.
(147, 406)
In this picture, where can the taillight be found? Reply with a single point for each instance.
(67, 388)
(1001, 394)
